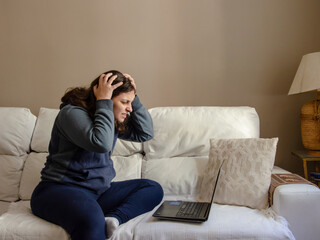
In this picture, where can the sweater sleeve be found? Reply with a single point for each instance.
(93, 135)
(140, 125)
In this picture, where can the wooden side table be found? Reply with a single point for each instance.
(309, 156)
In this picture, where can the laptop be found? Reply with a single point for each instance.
(196, 212)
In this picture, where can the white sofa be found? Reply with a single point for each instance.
(177, 158)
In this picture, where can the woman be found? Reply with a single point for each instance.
(76, 191)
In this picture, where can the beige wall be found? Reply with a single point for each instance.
(181, 52)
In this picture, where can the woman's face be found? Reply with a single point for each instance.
(122, 105)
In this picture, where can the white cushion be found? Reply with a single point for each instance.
(185, 131)
(127, 167)
(4, 207)
(225, 222)
(19, 223)
(16, 126)
(10, 175)
(178, 176)
(43, 128)
(246, 173)
(31, 174)
(126, 148)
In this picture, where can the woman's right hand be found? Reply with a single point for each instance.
(105, 88)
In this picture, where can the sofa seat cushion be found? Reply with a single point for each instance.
(20, 223)
(225, 222)
(4, 207)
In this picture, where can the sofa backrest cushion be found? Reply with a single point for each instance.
(31, 174)
(185, 131)
(126, 148)
(16, 126)
(42, 135)
(178, 176)
(43, 128)
(10, 175)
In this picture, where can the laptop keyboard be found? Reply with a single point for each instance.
(190, 209)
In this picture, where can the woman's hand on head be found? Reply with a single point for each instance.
(105, 88)
(131, 80)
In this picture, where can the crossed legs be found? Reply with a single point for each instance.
(82, 213)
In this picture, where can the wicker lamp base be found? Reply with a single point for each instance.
(310, 124)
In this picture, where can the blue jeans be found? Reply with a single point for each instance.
(81, 212)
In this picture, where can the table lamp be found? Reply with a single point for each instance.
(307, 79)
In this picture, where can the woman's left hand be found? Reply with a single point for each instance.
(131, 80)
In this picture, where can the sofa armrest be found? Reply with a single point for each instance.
(300, 205)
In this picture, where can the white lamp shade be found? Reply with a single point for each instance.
(308, 75)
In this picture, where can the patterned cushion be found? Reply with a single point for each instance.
(246, 174)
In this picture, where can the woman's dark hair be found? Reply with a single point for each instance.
(84, 96)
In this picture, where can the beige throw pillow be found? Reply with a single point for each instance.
(246, 174)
